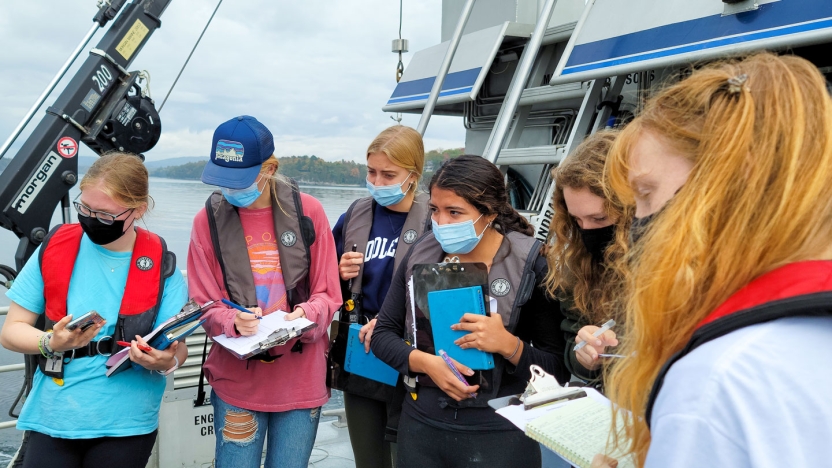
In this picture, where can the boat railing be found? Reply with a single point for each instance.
(9, 368)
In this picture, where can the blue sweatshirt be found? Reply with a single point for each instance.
(379, 257)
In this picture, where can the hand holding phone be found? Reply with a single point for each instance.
(85, 321)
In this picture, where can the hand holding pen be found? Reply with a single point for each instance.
(453, 366)
(246, 320)
(598, 340)
(350, 264)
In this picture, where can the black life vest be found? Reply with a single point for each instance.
(802, 289)
(511, 280)
(358, 221)
(150, 264)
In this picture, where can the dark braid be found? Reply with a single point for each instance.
(481, 184)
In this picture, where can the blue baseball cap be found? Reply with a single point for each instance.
(239, 148)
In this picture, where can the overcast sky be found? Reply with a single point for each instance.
(315, 72)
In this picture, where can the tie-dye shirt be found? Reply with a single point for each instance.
(258, 226)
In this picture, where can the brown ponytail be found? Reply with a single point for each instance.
(481, 184)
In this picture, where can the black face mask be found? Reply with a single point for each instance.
(100, 233)
(639, 227)
(597, 240)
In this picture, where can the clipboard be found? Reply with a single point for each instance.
(161, 337)
(272, 331)
(432, 277)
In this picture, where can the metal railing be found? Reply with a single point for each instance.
(9, 368)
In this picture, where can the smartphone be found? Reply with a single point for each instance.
(85, 321)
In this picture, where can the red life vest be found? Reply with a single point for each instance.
(150, 265)
(801, 289)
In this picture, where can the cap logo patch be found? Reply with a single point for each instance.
(229, 151)
(144, 263)
(288, 238)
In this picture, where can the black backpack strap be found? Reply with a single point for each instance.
(808, 305)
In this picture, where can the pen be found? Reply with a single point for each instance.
(142, 347)
(455, 371)
(599, 332)
(239, 307)
(612, 355)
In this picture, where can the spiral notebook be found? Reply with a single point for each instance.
(577, 432)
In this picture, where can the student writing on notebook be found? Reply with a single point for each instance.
(382, 227)
(730, 288)
(441, 424)
(263, 244)
(75, 415)
(589, 233)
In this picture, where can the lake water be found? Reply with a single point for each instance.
(177, 201)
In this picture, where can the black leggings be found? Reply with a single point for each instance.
(421, 445)
(367, 420)
(44, 451)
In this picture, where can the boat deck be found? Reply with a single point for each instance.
(332, 445)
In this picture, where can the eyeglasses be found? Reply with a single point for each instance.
(103, 216)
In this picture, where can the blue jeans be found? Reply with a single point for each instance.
(241, 433)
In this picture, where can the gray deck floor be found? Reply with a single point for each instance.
(332, 447)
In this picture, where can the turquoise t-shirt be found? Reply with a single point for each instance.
(90, 404)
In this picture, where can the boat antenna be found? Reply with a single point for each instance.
(189, 55)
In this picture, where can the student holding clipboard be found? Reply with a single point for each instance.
(262, 244)
(731, 286)
(441, 423)
(371, 240)
(75, 416)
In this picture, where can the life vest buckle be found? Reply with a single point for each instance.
(98, 346)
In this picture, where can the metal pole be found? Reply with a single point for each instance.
(498, 135)
(48, 90)
(443, 70)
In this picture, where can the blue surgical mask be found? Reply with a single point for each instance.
(458, 238)
(386, 195)
(242, 198)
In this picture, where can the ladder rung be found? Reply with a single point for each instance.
(532, 155)
(560, 33)
(548, 93)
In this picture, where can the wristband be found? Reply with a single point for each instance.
(173, 367)
(516, 348)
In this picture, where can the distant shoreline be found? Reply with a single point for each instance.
(300, 183)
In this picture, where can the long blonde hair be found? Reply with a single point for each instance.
(571, 269)
(758, 132)
(404, 146)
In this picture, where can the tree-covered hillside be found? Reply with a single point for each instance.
(312, 169)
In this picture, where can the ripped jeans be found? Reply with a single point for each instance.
(241, 433)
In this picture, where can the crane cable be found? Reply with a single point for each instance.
(189, 55)
(400, 66)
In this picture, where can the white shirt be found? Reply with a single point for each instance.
(760, 396)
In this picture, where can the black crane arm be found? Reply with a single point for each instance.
(95, 109)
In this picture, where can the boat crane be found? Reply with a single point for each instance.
(530, 79)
